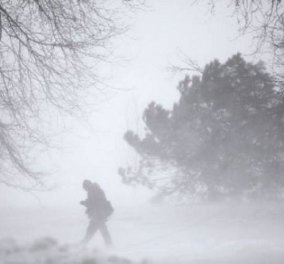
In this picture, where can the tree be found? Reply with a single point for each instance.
(224, 138)
(49, 54)
(263, 20)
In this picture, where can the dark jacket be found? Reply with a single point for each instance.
(97, 206)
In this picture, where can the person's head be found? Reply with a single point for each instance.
(87, 184)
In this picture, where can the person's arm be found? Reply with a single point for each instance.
(83, 203)
(88, 201)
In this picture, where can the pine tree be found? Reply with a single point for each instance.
(224, 137)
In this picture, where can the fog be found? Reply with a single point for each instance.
(207, 233)
(47, 224)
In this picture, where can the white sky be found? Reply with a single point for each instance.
(156, 36)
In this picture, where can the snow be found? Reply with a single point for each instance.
(208, 233)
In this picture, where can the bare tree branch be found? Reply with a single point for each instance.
(49, 51)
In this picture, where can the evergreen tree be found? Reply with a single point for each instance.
(224, 137)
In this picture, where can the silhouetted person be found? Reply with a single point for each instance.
(98, 209)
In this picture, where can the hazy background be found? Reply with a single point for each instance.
(95, 148)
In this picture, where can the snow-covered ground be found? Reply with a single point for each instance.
(218, 233)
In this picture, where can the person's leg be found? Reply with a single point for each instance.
(91, 230)
(105, 234)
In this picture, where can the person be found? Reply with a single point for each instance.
(98, 209)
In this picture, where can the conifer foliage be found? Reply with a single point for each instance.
(223, 138)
